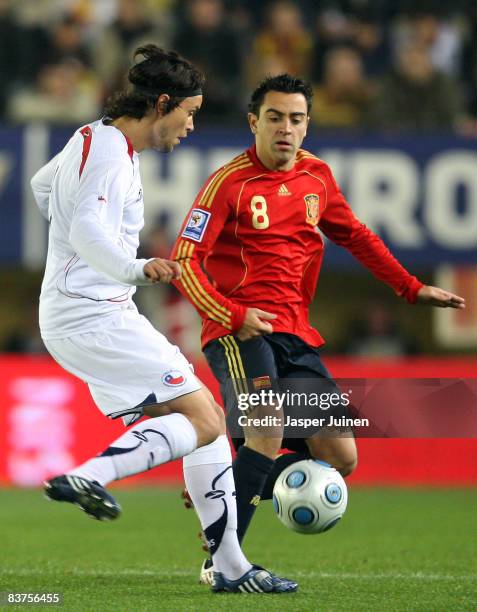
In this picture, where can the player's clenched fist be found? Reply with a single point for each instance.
(162, 270)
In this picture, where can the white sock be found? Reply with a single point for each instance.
(148, 444)
(209, 479)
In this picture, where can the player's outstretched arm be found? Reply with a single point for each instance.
(256, 324)
(435, 296)
(162, 270)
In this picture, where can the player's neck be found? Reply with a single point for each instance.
(273, 164)
(133, 129)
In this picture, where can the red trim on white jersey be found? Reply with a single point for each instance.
(130, 147)
(88, 136)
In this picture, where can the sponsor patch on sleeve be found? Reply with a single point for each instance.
(196, 224)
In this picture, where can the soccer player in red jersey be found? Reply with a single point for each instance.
(251, 251)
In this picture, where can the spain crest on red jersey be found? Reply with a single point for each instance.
(312, 202)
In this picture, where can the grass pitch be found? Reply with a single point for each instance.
(394, 550)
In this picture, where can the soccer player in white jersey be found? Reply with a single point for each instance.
(91, 195)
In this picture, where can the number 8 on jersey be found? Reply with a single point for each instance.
(260, 218)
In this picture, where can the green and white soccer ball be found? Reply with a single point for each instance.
(310, 497)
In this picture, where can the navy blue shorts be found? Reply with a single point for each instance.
(267, 362)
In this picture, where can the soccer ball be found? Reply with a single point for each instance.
(310, 496)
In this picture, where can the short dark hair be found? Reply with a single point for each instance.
(284, 83)
(158, 71)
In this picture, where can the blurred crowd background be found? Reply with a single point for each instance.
(377, 66)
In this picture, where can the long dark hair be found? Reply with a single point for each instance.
(158, 72)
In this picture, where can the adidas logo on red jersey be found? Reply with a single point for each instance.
(283, 191)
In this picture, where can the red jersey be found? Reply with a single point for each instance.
(252, 239)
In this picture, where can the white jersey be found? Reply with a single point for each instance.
(91, 194)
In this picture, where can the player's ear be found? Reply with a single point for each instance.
(161, 104)
(252, 121)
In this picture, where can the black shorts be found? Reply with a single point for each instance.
(268, 362)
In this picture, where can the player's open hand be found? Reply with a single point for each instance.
(256, 324)
(162, 270)
(439, 297)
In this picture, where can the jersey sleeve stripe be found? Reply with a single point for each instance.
(198, 298)
(198, 302)
(215, 177)
(226, 319)
(210, 306)
(200, 288)
(302, 154)
(184, 254)
(210, 199)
